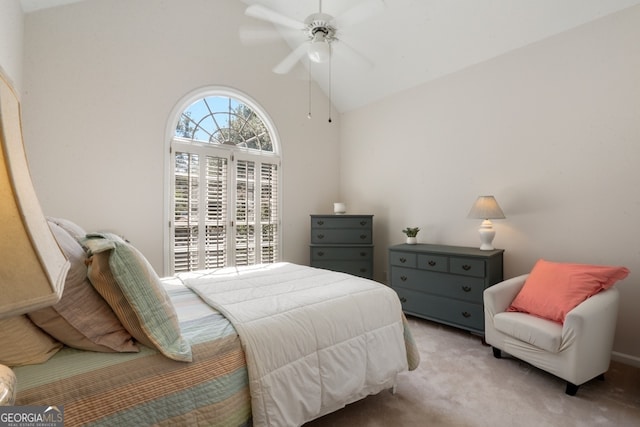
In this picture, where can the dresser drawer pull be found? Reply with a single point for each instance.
(403, 260)
(363, 270)
(363, 236)
(363, 254)
(403, 278)
(363, 223)
(320, 222)
(321, 253)
(431, 263)
(403, 299)
(466, 288)
(466, 267)
(466, 314)
(320, 236)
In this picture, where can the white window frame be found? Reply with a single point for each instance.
(232, 153)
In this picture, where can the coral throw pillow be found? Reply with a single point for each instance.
(554, 289)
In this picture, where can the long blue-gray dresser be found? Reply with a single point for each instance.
(444, 283)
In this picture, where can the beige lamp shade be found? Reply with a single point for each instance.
(32, 265)
(486, 207)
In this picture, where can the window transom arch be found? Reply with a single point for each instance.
(223, 119)
(224, 183)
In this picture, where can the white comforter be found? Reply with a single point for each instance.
(315, 340)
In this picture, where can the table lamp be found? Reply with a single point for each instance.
(32, 265)
(486, 208)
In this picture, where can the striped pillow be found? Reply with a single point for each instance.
(23, 343)
(82, 318)
(126, 280)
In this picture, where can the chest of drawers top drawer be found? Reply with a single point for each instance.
(467, 266)
(342, 221)
(404, 259)
(433, 262)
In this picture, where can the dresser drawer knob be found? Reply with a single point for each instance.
(431, 263)
(466, 314)
(403, 260)
(403, 278)
(321, 253)
(363, 270)
(363, 223)
(320, 222)
(466, 267)
(466, 288)
(320, 236)
(403, 300)
(363, 236)
(363, 254)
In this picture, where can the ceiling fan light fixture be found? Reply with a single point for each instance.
(319, 51)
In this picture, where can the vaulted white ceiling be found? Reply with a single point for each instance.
(411, 42)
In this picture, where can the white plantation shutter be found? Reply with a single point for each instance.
(186, 212)
(200, 212)
(216, 220)
(269, 212)
(245, 247)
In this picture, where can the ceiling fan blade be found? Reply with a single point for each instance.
(261, 12)
(252, 35)
(290, 61)
(360, 12)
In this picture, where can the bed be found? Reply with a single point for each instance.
(266, 345)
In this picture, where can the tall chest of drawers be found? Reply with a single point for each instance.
(343, 243)
(444, 283)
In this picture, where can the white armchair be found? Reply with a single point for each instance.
(576, 351)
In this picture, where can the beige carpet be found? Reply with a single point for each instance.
(460, 383)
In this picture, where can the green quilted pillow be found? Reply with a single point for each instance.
(126, 280)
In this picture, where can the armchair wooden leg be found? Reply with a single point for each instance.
(572, 389)
(496, 353)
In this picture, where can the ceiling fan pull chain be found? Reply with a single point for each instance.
(309, 85)
(330, 58)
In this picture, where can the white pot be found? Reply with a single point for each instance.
(412, 240)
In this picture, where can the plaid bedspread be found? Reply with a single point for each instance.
(147, 388)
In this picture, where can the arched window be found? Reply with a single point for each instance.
(225, 181)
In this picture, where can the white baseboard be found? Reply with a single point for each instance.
(626, 359)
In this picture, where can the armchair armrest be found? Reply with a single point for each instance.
(594, 321)
(498, 297)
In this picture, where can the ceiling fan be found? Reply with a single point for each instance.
(319, 30)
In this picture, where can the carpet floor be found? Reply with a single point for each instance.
(460, 383)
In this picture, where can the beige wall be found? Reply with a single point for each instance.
(11, 33)
(552, 130)
(101, 79)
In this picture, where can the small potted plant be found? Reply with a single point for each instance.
(411, 233)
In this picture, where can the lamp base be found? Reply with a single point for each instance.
(487, 233)
(7, 386)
